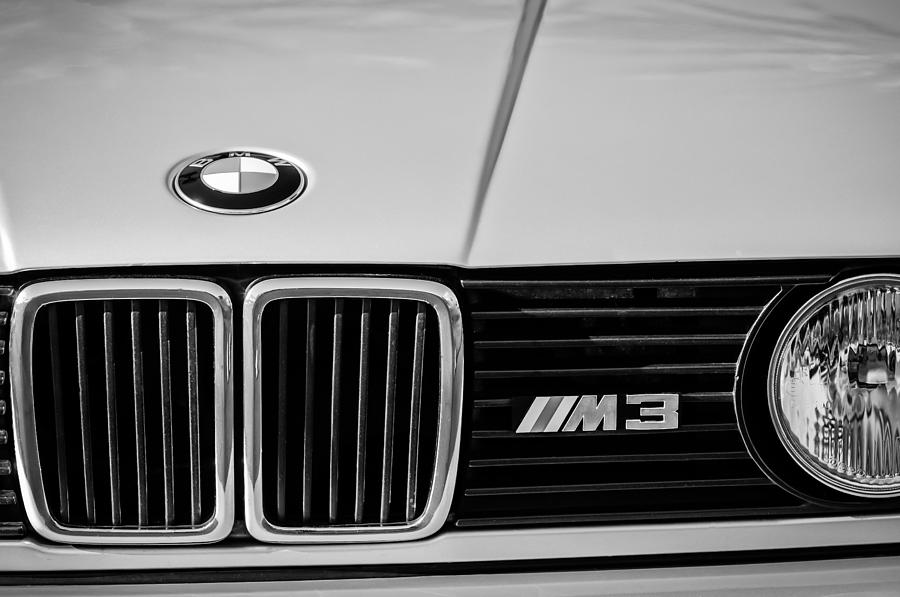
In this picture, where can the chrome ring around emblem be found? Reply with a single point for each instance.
(238, 181)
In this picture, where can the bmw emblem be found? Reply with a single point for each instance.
(238, 181)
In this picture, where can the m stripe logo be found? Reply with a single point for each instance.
(546, 414)
(550, 414)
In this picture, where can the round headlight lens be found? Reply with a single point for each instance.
(834, 386)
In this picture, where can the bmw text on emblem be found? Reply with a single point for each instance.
(238, 181)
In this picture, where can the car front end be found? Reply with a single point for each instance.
(449, 297)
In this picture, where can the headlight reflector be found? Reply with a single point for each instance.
(834, 386)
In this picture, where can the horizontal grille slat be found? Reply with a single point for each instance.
(668, 369)
(607, 459)
(683, 429)
(570, 336)
(618, 341)
(601, 487)
(618, 313)
(646, 505)
(686, 398)
(133, 379)
(639, 517)
(652, 282)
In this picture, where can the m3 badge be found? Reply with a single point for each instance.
(551, 414)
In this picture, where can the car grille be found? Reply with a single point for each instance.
(353, 400)
(125, 397)
(10, 507)
(598, 336)
(353, 417)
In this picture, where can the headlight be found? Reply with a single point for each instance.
(833, 386)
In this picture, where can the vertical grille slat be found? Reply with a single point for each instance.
(112, 428)
(309, 398)
(165, 389)
(415, 408)
(138, 372)
(84, 411)
(282, 410)
(390, 392)
(334, 444)
(140, 429)
(362, 410)
(193, 391)
(58, 413)
(370, 447)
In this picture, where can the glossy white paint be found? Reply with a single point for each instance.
(657, 131)
(556, 543)
(643, 131)
(390, 104)
(862, 577)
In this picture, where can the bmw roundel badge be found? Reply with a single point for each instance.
(238, 181)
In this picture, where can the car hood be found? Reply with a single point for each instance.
(642, 131)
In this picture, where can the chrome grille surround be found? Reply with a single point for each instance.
(444, 303)
(29, 300)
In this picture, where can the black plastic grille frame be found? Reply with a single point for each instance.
(11, 517)
(545, 337)
(350, 406)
